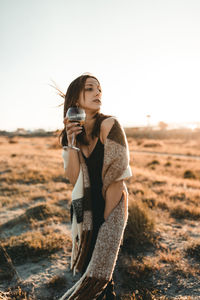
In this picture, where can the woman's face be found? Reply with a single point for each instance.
(92, 100)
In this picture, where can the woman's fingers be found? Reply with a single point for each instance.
(73, 127)
(74, 130)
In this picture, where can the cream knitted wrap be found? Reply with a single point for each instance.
(101, 266)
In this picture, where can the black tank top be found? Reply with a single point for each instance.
(95, 164)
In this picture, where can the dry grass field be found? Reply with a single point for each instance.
(160, 255)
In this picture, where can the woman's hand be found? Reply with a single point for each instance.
(71, 128)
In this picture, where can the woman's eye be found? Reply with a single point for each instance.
(91, 89)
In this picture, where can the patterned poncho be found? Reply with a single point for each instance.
(101, 266)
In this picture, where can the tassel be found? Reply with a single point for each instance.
(89, 289)
(85, 245)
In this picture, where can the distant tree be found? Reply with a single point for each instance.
(21, 131)
(162, 125)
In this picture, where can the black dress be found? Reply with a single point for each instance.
(95, 164)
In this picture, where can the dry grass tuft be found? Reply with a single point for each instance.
(57, 282)
(178, 197)
(168, 164)
(193, 250)
(38, 212)
(13, 155)
(153, 163)
(185, 212)
(27, 176)
(139, 229)
(189, 174)
(169, 256)
(43, 211)
(35, 245)
(150, 202)
(12, 140)
(17, 293)
(163, 205)
(152, 145)
(159, 182)
(136, 275)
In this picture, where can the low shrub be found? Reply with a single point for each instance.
(153, 163)
(139, 229)
(189, 174)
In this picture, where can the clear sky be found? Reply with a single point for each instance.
(145, 53)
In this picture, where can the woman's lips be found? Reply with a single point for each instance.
(97, 101)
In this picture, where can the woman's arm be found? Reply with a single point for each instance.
(72, 166)
(114, 191)
(70, 156)
(113, 196)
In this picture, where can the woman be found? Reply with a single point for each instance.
(99, 196)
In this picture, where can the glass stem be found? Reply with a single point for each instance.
(73, 138)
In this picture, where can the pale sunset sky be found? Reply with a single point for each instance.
(145, 53)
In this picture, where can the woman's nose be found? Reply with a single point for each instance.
(98, 91)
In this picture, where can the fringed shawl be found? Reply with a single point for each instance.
(101, 266)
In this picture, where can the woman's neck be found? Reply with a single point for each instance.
(89, 124)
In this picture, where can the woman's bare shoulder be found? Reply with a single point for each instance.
(106, 126)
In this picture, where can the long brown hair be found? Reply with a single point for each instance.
(71, 98)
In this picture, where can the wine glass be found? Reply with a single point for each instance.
(74, 115)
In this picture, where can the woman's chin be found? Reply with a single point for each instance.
(93, 109)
